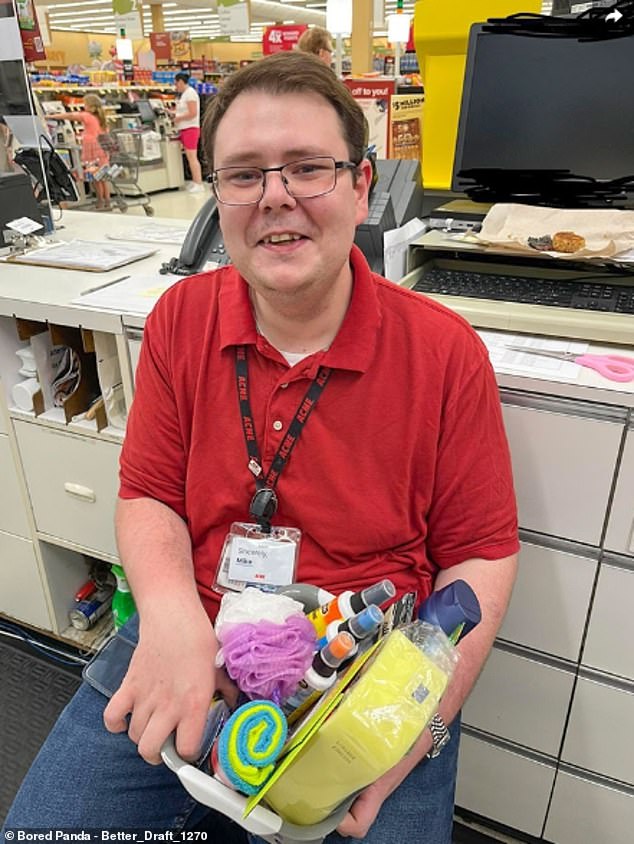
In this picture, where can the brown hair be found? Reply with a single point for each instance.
(289, 73)
(93, 104)
(315, 39)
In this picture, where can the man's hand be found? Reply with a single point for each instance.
(363, 812)
(169, 684)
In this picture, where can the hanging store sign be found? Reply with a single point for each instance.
(161, 43)
(276, 39)
(234, 17)
(127, 16)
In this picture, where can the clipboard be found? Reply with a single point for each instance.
(85, 255)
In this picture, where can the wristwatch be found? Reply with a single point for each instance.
(440, 735)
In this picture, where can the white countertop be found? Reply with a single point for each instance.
(47, 294)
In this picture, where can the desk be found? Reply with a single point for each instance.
(560, 649)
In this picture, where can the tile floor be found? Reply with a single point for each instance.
(177, 204)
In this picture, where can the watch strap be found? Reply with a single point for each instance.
(440, 735)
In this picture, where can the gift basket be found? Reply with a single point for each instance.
(312, 731)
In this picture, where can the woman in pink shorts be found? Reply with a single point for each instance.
(187, 121)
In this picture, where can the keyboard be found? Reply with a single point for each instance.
(511, 299)
(588, 295)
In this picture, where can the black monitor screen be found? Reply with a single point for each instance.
(545, 103)
(146, 112)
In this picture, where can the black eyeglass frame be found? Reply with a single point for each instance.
(339, 165)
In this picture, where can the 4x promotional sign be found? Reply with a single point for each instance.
(276, 39)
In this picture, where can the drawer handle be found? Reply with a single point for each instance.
(80, 491)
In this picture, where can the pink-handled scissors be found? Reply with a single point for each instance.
(613, 367)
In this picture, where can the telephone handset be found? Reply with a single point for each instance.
(203, 242)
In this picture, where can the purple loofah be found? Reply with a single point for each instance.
(268, 660)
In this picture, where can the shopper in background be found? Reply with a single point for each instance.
(187, 121)
(93, 156)
(401, 470)
(317, 41)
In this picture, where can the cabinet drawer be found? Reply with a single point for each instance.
(620, 533)
(609, 643)
(503, 785)
(72, 483)
(12, 504)
(599, 737)
(563, 467)
(521, 700)
(585, 812)
(21, 590)
(554, 586)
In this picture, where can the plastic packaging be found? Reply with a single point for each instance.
(350, 603)
(123, 606)
(376, 722)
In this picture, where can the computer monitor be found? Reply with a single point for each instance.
(16, 200)
(540, 103)
(146, 112)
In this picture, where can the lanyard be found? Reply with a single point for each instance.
(264, 503)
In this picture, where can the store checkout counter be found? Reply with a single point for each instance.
(535, 741)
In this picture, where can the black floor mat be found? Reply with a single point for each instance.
(33, 691)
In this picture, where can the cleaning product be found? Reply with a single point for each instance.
(350, 603)
(454, 608)
(123, 606)
(361, 625)
(323, 671)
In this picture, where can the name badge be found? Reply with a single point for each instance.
(252, 558)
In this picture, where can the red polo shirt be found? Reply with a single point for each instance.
(401, 469)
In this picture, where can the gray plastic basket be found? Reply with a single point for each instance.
(261, 821)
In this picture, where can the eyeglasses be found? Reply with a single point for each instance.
(303, 179)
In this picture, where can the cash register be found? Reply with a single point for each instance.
(545, 119)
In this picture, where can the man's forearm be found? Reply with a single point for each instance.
(155, 550)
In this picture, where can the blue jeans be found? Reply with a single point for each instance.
(86, 777)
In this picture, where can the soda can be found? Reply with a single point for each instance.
(87, 613)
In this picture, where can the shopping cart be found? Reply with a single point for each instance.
(124, 148)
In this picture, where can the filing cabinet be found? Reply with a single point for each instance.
(551, 598)
(564, 458)
(554, 704)
(620, 533)
(609, 644)
(599, 737)
(522, 700)
(496, 782)
(13, 514)
(22, 591)
(72, 483)
(588, 811)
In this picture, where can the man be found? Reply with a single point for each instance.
(187, 121)
(400, 470)
(317, 41)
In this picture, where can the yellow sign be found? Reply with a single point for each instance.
(406, 126)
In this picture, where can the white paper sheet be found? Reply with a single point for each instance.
(512, 362)
(152, 233)
(131, 295)
(395, 245)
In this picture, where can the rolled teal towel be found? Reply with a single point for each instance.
(249, 745)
